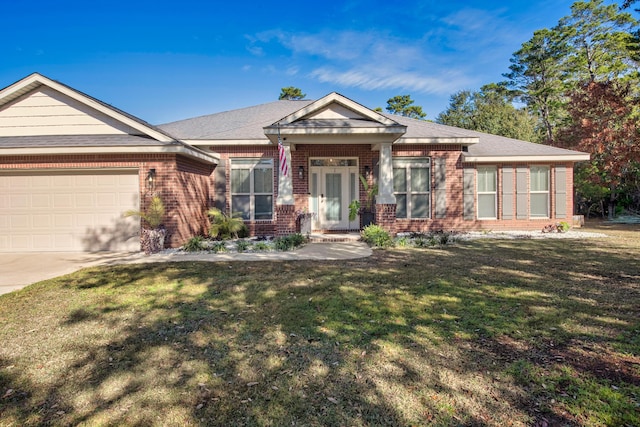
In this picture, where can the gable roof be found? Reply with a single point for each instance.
(259, 124)
(244, 124)
(142, 137)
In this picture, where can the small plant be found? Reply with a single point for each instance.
(152, 238)
(261, 246)
(563, 227)
(374, 235)
(154, 214)
(218, 247)
(224, 226)
(195, 244)
(242, 245)
(420, 242)
(403, 242)
(354, 208)
(371, 191)
(444, 237)
(289, 242)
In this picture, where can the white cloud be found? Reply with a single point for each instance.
(389, 79)
(455, 51)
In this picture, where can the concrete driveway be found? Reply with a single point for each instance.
(18, 270)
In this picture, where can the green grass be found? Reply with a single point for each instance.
(506, 332)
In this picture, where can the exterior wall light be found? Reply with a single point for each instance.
(301, 172)
(367, 172)
(151, 179)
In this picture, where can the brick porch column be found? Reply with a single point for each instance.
(285, 204)
(386, 200)
(386, 217)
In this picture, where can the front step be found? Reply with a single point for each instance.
(334, 237)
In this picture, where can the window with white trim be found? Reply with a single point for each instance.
(487, 189)
(539, 191)
(252, 188)
(412, 187)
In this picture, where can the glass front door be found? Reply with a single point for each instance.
(332, 187)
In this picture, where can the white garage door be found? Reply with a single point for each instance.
(68, 211)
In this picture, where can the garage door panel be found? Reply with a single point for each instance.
(62, 201)
(20, 222)
(41, 221)
(19, 201)
(69, 211)
(40, 201)
(85, 200)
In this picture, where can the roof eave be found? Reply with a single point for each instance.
(332, 130)
(439, 140)
(539, 158)
(196, 154)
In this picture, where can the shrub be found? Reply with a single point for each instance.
(374, 235)
(153, 215)
(194, 244)
(289, 242)
(563, 227)
(242, 245)
(218, 247)
(261, 246)
(224, 226)
(403, 241)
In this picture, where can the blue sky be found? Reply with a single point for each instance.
(165, 61)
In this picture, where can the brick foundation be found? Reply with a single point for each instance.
(285, 220)
(386, 218)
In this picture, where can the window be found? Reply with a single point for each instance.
(487, 192)
(539, 191)
(412, 187)
(252, 188)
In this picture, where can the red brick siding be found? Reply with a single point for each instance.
(454, 186)
(183, 184)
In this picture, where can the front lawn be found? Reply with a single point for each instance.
(484, 332)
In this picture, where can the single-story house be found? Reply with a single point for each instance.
(70, 165)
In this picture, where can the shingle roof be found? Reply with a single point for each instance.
(249, 123)
(244, 123)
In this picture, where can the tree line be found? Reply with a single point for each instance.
(574, 86)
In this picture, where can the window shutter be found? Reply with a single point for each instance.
(469, 194)
(220, 187)
(507, 193)
(441, 187)
(561, 191)
(522, 193)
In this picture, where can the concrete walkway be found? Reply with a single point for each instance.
(18, 270)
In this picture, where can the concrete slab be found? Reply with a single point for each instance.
(18, 270)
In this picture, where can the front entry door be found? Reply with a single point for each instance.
(331, 190)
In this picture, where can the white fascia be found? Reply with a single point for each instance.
(211, 158)
(545, 158)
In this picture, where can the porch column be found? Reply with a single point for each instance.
(385, 177)
(285, 208)
(386, 200)
(285, 184)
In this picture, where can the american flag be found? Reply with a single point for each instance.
(284, 167)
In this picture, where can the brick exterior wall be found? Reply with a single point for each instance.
(183, 184)
(284, 218)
